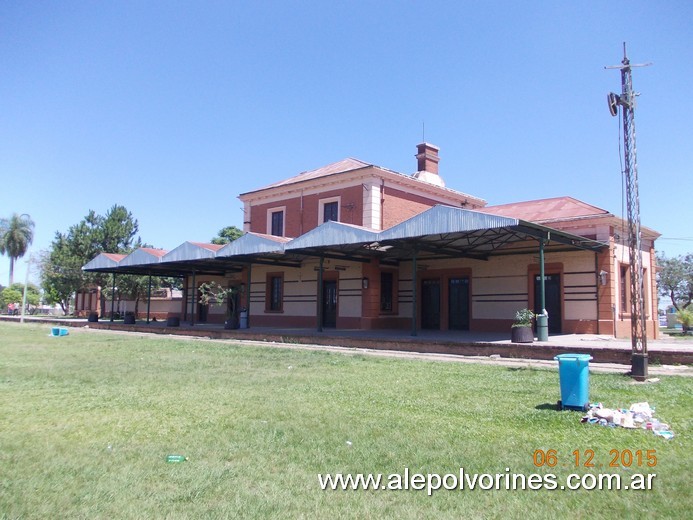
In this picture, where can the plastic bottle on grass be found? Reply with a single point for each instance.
(176, 458)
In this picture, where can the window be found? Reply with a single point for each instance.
(386, 292)
(625, 289)
(330, 211)
(275, 292)
(277, 223)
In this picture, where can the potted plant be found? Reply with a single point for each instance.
(213, 293)
(521, 331)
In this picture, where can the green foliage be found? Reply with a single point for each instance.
(675, 279)
(523, 318)
(227, 234)
(16, 235)
(15, 294)
(62, 273)
(213, 293)
(685, 318)
(135, 287)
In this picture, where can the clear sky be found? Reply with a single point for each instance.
(173, 108)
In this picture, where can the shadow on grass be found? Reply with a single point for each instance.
(547, 406)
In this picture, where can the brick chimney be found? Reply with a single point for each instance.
(427, 160)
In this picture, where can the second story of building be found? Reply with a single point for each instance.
(353, 192)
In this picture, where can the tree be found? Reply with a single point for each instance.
(15, 294)
(213, 293)
(136, 287)
(62, 273)
(227, 234)
(16, 235)
(675, 279)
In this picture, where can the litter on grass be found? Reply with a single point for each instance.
(639, 415)
(59, 331)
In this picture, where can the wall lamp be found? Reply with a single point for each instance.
(603, 277)
(364, 282)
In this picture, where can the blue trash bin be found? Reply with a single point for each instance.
(574, 377)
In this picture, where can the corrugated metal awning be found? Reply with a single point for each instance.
(143, 256)
(253, 244)
(103, 261)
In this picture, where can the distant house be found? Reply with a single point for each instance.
(353, 245)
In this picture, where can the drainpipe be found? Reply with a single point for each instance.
(382, 203)
(300, 221)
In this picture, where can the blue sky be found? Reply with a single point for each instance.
(174, 108)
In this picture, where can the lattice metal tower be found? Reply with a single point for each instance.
(637, 288)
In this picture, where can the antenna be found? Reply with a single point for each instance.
(638, 330)
(423, 131)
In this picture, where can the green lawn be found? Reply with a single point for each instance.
(86, 422)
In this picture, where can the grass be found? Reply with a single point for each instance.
(87, 420)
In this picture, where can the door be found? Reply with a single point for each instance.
(329, 303)
(430, 304)
(202, 312)
(552, 291)
(458, 303)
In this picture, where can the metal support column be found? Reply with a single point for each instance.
(193, 294)
(320, 295)
(542, 318)
(414, 309)
(149, 297)
(248, 294)
(186, 293)
(112, 296)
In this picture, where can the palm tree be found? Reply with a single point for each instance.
(16, 235)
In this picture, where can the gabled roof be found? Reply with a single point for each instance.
(253, 243)
(191, 251)
(332, 233)
(143, 255)
(547, 210)
(345, 165)
(104, 261)
(445, 219)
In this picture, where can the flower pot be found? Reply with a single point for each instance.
(522, 335)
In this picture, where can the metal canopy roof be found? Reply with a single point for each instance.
(251, 244)
(439, 232)
(191, 251)
(143, 255)
(334, 240)
(332, 233)
(445, 232)
(103, 261)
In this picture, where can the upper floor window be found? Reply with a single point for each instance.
(329, 210)
(275, 221)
